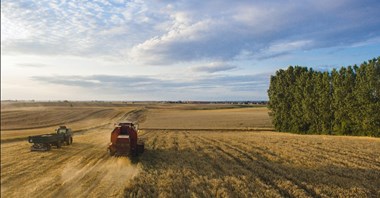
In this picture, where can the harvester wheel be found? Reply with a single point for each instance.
(111, 153)
(134, 153)
(140, 148)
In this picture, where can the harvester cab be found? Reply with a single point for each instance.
(124, 140)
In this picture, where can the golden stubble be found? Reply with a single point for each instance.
(182, 162)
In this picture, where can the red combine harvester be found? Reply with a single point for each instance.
(124, 140)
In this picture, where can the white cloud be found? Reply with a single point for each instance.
(150, 88)
(173, 32)
(213, 67)
(15, 29)
(181, 39)
(114, 31)
(290, 46)
(158, 49)
(259, 18)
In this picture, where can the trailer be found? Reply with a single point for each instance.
(63, 135)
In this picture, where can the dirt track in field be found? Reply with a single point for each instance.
(82, 169)
(189, 163)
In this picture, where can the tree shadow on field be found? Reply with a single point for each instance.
(185, 172)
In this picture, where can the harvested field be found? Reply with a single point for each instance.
(257, 164)
(21, 120)
(229, 118)
(194, 163)
(39, 118)
(82, 169)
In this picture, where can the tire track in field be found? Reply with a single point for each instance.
(91, 173)
(335, 156)
(366, 161)
(327, 153)
(261, 161)
(314, 151)
(43, 167)
(160, 161)
(165, 159)
(59, 157)
(212, 166)
(153, 142)
(182, 159)
(263, 182)
(263, 177)
(215, 173)
(77, 174)
(87, 166)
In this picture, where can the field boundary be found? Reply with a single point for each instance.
(208, 129)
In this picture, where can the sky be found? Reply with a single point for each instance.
(175, 50)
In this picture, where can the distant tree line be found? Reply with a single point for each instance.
(341, 102)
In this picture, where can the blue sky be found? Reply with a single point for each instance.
(175, 50)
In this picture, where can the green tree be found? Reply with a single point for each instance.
(324, 103)
(344, 102)
(367, 95)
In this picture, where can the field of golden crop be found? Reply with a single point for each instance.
(19, 119)
(185, 159)
(228, 118)
(257, 164)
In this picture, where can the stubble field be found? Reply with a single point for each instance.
(191, 151)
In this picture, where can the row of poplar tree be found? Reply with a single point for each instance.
(341, 102)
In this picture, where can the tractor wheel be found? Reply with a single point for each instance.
(48, 147)
(69, 141)
(59, 144)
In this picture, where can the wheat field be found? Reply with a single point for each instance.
(228, 118)
(19, 120)
(257, 164)
(185, 156)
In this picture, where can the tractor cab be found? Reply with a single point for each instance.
(63, 130)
